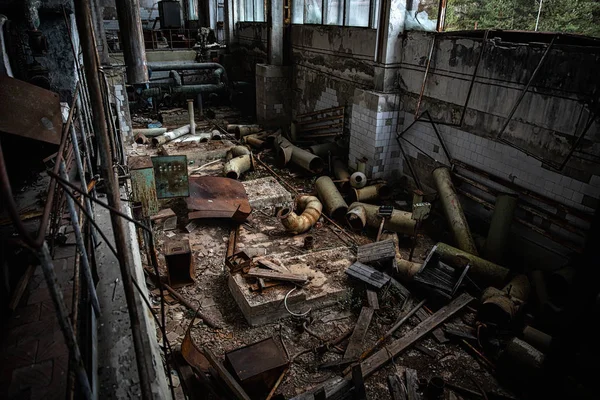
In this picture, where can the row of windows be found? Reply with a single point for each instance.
(363, 13)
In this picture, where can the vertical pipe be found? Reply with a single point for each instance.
(85, 261)
(101, 41)
(504, 209)
(276, 33)
(453, 210)
(82, 12)
(191, 115)
(63, 321)
(134, 50)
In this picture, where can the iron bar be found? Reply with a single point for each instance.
(410, 167)
(425, 77)
(437, 133)
(64, 322)
(90, 58)
(579, 139)
(464, 111)
(85, 261)
(526, 88)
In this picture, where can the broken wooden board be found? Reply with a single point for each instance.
(372, 299)
(271, 265)
(287, 277)
(412, 384)
(368, 275)
(438, 333)
(384, 355)
(397, 390)
(401, 288)
(355, 344)
(378, 251)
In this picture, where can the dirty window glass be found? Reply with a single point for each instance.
(297, 11)
(259, 10)
(313, 11)
(358, 12)
(252, 10)
(334, 12)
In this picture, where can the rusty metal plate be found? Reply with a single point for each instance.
(143, 185)
(180, 263)
(171, 176)
(29, 111)
(217, 197)
(258, 365)
(192, 354)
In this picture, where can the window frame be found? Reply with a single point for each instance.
(372, 18)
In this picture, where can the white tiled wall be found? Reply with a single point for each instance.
(500, 160)
(328, 99)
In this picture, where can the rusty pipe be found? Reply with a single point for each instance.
(340, 171)
(358, 180)
(307, 160)
(150, 131)
(254, 141)
(453, 210)
(232, 128)
(501, 306)
(235, 167)
(538, 339)
(356, 217)
(400, 221)
(499, 231)
(335, 206)
(168, 136)
(407, 269)
(311, 213)
(237, 151)
(190, 104)
(245, 130)
(322, 149)
(370, 193)
(483, 271)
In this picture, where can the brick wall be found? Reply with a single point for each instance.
(273, 98)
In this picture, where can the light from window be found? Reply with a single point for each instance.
(313, 11)
(334, 12)
(358, 12)
(297, 11)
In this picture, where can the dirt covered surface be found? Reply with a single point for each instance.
(263, 235)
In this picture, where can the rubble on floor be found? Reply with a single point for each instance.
(308, 294)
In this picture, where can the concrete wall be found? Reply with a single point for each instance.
(329, 63)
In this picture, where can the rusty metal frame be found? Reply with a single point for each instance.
(481, 52)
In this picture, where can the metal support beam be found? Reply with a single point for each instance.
(90, 57)
(134, 50)
(276, 33)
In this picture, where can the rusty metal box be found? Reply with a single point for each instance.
(258, 365)
(180, 263)
(143, 187)
(171, 176)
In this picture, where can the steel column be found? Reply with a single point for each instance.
(90, 57)
(276, 33)
(134, 50)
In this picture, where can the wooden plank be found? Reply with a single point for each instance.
(271, 265)
(231, 383)
(372, 299)
(15, 299)
(317, 120)
(360, 392)
(438, 333)
(323, 111)
(401, 288)
(412, 384)
(355, 344)
(367, 274)
(384, 355)
(397, 391)
(262, 273)
(378, 251)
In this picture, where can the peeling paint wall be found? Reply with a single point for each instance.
(329, 63)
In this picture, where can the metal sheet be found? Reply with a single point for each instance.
(143, 184)
(180, 263)
(171, 176)
(217, 197)
(29, 111)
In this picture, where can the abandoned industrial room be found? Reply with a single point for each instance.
(299, 199)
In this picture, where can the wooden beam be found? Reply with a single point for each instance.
(412, 384)
(378, 251)
(231, 383)
(355, 344)
(367, 274)
(271, 265)
(384, 355)
(438, 333)
(372, 299)
(262, 273)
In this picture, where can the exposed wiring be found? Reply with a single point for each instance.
(287, 308)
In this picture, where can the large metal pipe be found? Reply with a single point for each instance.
(149, 131)
(323, 149)
(538, 339)
(187, 90)
(235, 167)
(232, 128)
(275, 43)
(502, 306)
(307, 160)
(90, 61)
(245, 130)
(400, 221)
(311, 213)
(340, 171)
(335, 206)
(237, 151)
(453, 210)
(504, 210)
(521, 362)
(484, 272)
(132, 35)
(370, 193)
(358, 180)
(168, 136)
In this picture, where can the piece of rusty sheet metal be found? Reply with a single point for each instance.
(29, 111)
(192, 354)
(217, 197)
